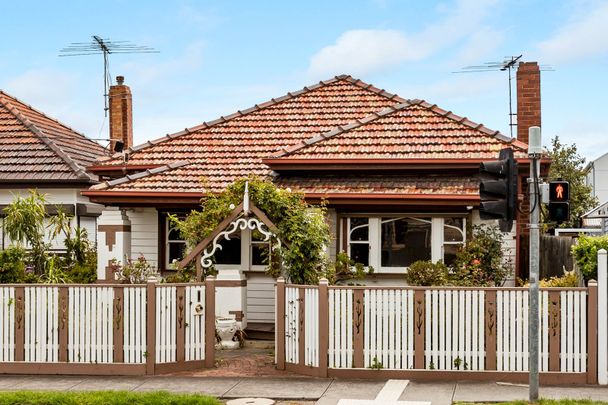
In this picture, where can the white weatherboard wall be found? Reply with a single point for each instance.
(144, 234)
(260, 298)
(597, 177)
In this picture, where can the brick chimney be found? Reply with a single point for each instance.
(121, 114)
(528, 98)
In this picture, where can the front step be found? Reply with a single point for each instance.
(259, 331)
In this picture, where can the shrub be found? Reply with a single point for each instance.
(427, 273)
(135, 271)
(480, 261)
(12, 265)
(344, 268)
(585, 254)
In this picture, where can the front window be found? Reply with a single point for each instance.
(230, 253)
(454, 237)
(176, 245)
(260, 249)
(359, 240)
(393, 243)
(404, 241)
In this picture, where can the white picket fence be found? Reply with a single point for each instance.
(89, 316)
(454, 324)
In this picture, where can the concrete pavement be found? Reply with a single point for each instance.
(300, 390)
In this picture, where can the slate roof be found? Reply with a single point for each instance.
(35, 148)
(342, 118)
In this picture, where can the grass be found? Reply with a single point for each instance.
(103, 398)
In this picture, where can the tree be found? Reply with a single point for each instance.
(568, 165)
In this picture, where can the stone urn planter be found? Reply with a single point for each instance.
(226, 328)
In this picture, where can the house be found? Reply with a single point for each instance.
(400, 178)
(39, 152)
(597, 177)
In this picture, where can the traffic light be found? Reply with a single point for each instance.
(559, 195)
(498, 189)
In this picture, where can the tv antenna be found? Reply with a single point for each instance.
(509, 63)
(105, 46)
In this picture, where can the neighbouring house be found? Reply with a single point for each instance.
(400, 178)
(597, 177)
(39, 152)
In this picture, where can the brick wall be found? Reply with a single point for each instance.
(528, 99)
(121, 114)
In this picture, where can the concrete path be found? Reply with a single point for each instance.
(290, 390)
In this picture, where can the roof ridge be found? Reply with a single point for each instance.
(77, 169)
(257, 107)
(148, 172)
(344, 128)
(2, 92)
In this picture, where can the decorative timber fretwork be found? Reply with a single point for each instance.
(245, 216)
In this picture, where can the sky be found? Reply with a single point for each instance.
(217, 57)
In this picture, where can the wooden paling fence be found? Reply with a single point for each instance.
(441, 333)
(106, 329)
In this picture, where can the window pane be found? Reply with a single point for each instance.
(176, 251)
(359, 229)
(449, 253)
(359, 252)
(259, 254)
(452, 230)
(405, 240)
(174, 234)
(231, 251)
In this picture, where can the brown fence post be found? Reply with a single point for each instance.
(592, 332)
(63, 324)
(151, 325)
(210, 322)
(419, 329)
(358, 328)
(118, 324)
(180, 338)
(323, 326)
(19, 323)
(554, 330)
(280, 323)
(490, 329)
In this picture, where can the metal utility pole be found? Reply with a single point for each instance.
(534, 153)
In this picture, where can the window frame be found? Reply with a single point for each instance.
(375, 236)
(167, 263)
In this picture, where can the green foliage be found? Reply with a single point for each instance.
(54, 273)
(427, 273)
(480, 261)
(12, 265)
(135, 271)
(302, 228)
(24, 225)
(344, 268)
(568, 165)
(569, 279)
(104, 398)
(585, 254)
(376, 364)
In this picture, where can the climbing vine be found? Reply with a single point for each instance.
(302, 228)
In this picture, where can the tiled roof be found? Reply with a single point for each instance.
(339, 118)
(411, 130)
(36, 148)
(429, 184)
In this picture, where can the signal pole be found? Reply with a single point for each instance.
(534, 153)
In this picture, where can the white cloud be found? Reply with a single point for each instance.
(584, 36)
(363, 51)
(43, 89)
(478, 45)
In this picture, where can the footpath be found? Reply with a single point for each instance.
(297, 390)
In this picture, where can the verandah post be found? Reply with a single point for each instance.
(280, 323)
(602, 308)
(209, 321)
(323, 326)
(151, 325)
(592, 332)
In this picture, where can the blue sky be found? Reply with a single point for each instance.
(219, 56)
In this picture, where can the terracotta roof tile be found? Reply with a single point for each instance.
(36, 147)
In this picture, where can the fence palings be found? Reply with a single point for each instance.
(435, 333)
(106, 329)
